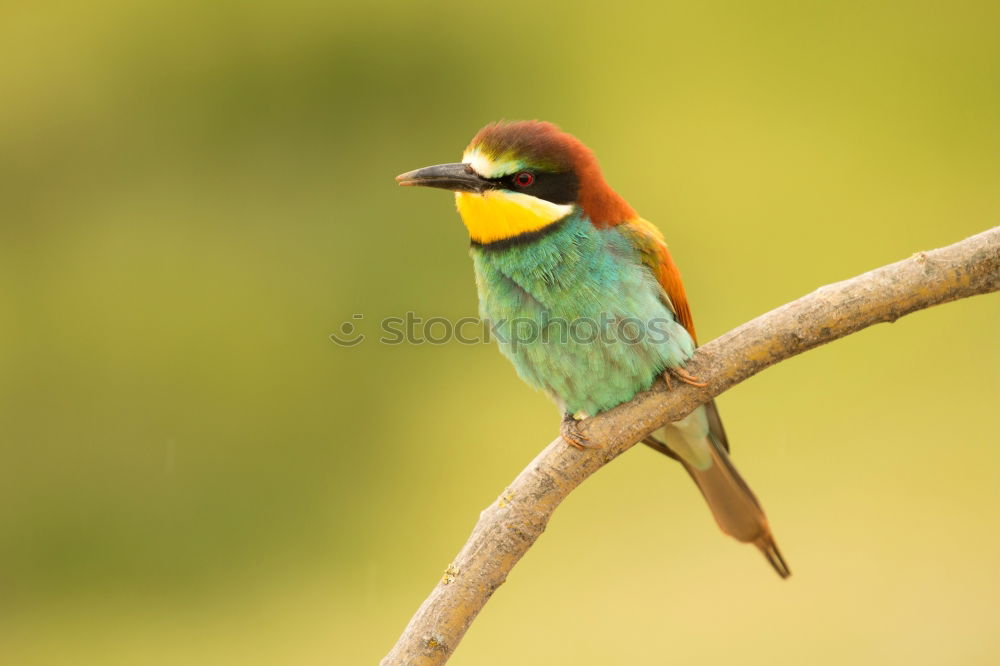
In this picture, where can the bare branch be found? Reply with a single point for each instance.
(508, 527)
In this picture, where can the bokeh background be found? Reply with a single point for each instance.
(194, 195)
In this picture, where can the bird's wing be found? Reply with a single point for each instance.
(648, 240)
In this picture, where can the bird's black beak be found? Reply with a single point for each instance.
(456, 177)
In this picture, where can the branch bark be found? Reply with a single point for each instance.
(508, 527)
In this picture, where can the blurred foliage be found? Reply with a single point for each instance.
(194, 195)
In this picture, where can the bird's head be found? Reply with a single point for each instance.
(521, 177)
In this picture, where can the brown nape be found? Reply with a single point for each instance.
(604, 206)
(539, 142)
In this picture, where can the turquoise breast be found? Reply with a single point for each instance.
(579, 315)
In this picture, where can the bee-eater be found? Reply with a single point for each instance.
(554, 247)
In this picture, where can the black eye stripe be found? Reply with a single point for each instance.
(560, 188)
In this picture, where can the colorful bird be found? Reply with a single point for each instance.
(585, 300)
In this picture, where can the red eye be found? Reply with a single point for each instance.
(524, 179)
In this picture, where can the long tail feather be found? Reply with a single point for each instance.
(659, 446)
(698, 442)
(736, 508)
(773, 555)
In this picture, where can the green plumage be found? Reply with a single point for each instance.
(579, 315)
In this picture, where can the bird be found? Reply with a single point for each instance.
(585, 299)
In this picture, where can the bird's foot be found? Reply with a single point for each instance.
(569, 430)
(684, 376)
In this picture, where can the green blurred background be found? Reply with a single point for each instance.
(194, 195)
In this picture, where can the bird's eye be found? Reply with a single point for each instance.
(524, 179)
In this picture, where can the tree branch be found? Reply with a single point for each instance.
(508, 527)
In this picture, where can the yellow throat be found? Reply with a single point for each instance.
(497, 215)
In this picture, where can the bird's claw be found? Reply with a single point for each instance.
(569, 430)
(684, 376)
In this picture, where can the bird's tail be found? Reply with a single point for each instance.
(698, 442)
